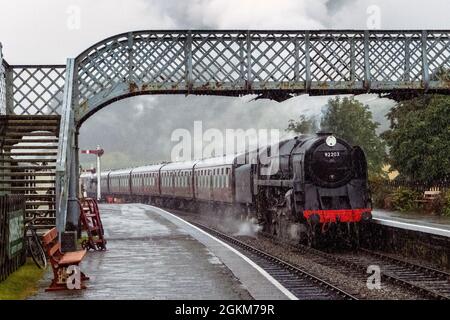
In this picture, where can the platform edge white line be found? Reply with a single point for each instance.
(412, 227)
(264, 273)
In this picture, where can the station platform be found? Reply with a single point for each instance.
(425, 223)
(153, 254)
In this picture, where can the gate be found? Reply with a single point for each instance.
(12, 249)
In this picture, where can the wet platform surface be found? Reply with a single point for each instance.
(154, 255)
(427, 223)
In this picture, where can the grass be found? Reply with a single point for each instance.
(82, 238)
(22, 283)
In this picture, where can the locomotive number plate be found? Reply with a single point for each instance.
(332, 154)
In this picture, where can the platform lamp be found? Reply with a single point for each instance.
(98, 152)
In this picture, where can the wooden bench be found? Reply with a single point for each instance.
(429, 196)
(61, 261)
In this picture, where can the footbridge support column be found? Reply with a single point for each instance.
(73, 209)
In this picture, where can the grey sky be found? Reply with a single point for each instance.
(37, 31)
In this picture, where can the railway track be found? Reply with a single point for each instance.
(301, 283)
(428, 282)
(424, 281)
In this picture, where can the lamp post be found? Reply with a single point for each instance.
(98, 152)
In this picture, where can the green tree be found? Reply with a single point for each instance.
(352, 121)
(419, 138)
(303, 125)
(441, 74)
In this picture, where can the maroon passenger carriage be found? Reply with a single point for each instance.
(145, 183)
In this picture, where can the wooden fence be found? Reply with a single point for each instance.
(12, 244)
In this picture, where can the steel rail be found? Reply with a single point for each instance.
(325, 289)
(357, 263)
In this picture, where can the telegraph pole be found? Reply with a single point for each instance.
(98, 152)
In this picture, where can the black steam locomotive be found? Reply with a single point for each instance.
(311, 188)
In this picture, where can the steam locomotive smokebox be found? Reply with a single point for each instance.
(69, 241)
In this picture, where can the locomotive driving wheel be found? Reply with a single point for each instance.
(311, 236)
(355, 236)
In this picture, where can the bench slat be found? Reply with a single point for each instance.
(72, 257)
(54, 249)
(49, 236)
